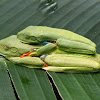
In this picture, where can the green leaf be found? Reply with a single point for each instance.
(6, 90)
(80, 16)
(77, 86)
(30, 83)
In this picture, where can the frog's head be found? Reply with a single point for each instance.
(11, 46)
(29, 35)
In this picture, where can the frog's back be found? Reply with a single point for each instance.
(44, 32)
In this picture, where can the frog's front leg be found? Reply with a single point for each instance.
(75, 46)
(48, 48)
(31, 62)
(68, 63)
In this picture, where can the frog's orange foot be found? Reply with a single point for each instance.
(26, 54)
(45, 64)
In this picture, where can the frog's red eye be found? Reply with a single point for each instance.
(26, 36)
(6, 47)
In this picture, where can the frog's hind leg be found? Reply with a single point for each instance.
(75, 46)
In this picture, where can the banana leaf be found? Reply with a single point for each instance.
(6, 89)
(30, 83)
(80, 16)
